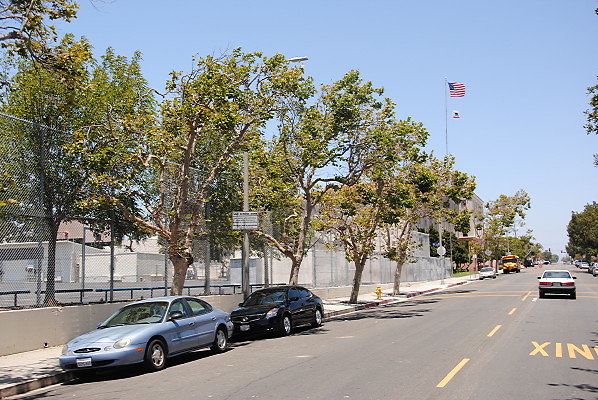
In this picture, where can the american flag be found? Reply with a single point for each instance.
(456, 89)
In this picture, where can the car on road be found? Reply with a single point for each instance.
(593, 269)
(487, 272)
(556, 281)
(148, 332)
(584, 265)
(278, 310)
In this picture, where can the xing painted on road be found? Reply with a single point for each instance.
(545, 349)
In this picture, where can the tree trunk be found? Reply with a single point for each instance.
(294, 278)
(397, 281)
(359, 265)
(50, 298)
(181, 265)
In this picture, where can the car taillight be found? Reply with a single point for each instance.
(545, 283)
(568, 284)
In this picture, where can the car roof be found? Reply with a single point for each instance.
(557, 270)
(162, 298)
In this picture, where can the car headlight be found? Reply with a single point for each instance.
(65, 349)
(122, 343)
(272, 313)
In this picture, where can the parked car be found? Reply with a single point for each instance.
(557, 281)
(584, 265)
(593, 269)
(148, 332)
(277, 309)
(487, 272)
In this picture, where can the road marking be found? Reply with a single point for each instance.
(539, 349)
(559, 350)
(512, 311)
(496, 328)
(572, 350)
(586, 352)
(345, 337)
(451, 374)
(535, 299)
(526, 296)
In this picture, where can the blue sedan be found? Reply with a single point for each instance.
(148, 332)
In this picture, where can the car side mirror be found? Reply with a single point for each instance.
(175, 315)
(539, 277)
(241, 304)
(574, 277)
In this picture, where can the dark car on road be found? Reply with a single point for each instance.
(278, 310)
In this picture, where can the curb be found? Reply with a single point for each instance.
(24, 387)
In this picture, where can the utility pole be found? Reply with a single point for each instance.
(245, 253)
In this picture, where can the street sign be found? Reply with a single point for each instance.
(441, 251)
(245, 220)
(488, 252)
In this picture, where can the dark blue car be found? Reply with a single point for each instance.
(277, 309)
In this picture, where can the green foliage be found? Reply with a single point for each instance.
(25, 29)
(583, 232)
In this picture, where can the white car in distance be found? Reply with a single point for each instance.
(558, 282)
(487, 272)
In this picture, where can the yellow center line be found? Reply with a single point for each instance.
(497, 327)
(512, 311)
(526, 296)
(451, 374)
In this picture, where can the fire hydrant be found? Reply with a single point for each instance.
(378, 292)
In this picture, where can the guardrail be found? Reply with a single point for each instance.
(227, 289)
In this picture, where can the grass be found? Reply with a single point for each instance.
(463, 273)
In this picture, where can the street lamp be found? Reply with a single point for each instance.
(297, 59)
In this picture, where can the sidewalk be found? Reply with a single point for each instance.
(24, 372)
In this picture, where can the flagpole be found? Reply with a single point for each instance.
(445, 116)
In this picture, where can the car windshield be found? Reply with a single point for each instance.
(488, 269)
(142, 313)
(274, 296)
(556, 274)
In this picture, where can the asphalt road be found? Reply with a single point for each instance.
(492, 339)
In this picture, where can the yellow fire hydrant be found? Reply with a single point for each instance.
(378, 292)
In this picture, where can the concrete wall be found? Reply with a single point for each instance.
(25, 330)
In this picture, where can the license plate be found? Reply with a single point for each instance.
(83, 362)
(556, 284)
(244, 328)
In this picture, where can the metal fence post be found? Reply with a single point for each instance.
(112, 257)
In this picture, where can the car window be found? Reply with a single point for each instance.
(199, 307)
(486, 269)
(556, 274)
(178, 305)
(141, 313)
(304, 293)
(266, 296)
(294, 293)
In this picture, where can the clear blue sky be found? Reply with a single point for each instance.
(527, 65)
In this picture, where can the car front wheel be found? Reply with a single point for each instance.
(155, 356)
(220, 341)
(286, 325)
(317, 318)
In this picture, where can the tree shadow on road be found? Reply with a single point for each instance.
(389, 311)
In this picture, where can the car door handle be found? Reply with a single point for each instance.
(191, 323)
(213, 318)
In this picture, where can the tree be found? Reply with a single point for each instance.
(24, 28)
(53, 104)
(592, 115)
(583, 232)
(501, 217)
(160, 175)
(352, 215)
(426, 189)
(322, 147)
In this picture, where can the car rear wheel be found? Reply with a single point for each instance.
(494, 277)
(541, 295)
(317, 318)
(155, 356)
(573, 296)
(220, 341)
